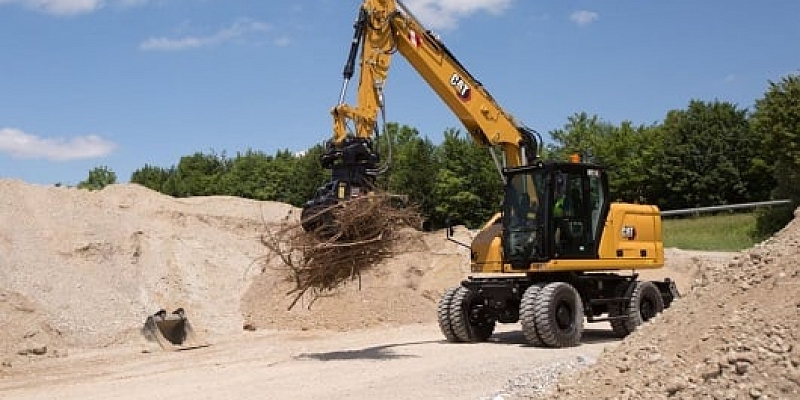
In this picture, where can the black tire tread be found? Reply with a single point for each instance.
(642, 290)
(619, 326)
(527, 315)
(462, 327)
(458, 314)
(545, 308)
(637, 291)
(443, 314)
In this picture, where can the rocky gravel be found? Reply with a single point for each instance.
(734, 335)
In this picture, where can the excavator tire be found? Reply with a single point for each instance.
(645, 303)
(172, 331)
(559, 315)
(469, 324)
(443, 312)
(527, 315)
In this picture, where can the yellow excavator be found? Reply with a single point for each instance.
(559, 253)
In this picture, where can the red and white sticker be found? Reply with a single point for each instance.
(414, 38)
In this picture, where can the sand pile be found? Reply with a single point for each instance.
(85, 269)
(734, 335)
(404, 289)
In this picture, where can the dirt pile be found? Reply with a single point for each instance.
(734, 335)
(402, 290)
(82, 269)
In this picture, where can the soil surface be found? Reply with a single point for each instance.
(80, 272)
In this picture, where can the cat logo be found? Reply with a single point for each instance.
(462, 88)
(628, 232)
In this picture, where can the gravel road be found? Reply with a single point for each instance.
(409, 362)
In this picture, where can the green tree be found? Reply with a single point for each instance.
(308, 175)
(151, 177)
(624, 150)
(247, 176)
(696, 158)
(412, 167)
(98, 178)
(282, 178)
(582, 134)
(198, 175)
(776, 120)
(468, 187)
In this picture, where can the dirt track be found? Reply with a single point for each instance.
(410, 362)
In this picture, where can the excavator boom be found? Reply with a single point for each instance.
(382, 29)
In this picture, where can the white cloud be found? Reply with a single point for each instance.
(584, 17)
(71, 7)
(445, 14)
(59, 7)
(19, 144)
(242, 30)
(282, 41)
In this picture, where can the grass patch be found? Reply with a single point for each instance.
(723, 232)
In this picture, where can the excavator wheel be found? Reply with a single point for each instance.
(469, 321)
(559, 315)
(443, 313)
(527, 315)
(645, 303)
(172, 331)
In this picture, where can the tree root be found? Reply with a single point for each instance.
(361, 236)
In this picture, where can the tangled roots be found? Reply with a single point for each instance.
(359, 234)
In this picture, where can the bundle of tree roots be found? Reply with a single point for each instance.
(358, 234)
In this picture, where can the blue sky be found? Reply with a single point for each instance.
(124, 83)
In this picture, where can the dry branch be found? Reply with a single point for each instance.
(361, 236)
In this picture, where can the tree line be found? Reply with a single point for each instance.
(709, 153)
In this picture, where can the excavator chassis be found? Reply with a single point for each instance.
(551, 307)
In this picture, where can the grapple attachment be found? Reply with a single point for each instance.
(172, 331)
(354, 166)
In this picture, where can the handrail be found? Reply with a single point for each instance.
(726, 207)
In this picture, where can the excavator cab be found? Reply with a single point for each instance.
(553, 211)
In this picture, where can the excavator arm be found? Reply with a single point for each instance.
(382, 29)
(387, 27)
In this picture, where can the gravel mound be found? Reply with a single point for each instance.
(734, 335)
(84, 269)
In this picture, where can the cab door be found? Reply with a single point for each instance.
(578, 198)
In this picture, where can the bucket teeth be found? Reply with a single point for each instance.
(172, 331)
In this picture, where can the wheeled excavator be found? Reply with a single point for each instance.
(558, 254)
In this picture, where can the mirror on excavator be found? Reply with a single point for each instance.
(172, 331)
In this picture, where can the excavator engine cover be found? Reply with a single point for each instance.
(172, 331)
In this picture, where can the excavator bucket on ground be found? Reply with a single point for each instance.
(172, 331)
